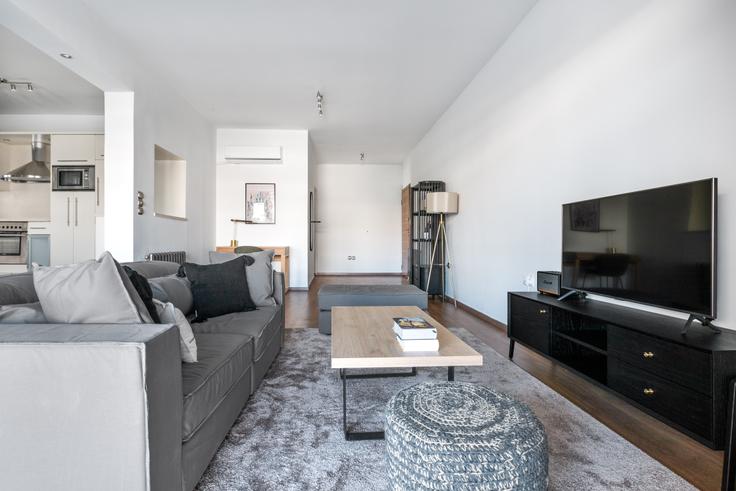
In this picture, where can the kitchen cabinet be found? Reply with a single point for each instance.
(73, 149)
(39, 250)
(73, 226)
(99, 147)
(99, 188)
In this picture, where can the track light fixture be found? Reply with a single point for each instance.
(14, 84)
(320, 111)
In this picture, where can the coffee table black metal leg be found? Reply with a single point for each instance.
(450, 374)
(364, 435)
(344, 403)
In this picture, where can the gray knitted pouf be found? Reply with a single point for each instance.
(462, 436)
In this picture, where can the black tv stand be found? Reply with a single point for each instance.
(576, 293)
(705, 321)
(641, 356)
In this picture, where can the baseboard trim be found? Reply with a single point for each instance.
(480, 315)
(298, 288)
(359, 274)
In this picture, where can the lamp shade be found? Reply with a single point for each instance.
(441, 202)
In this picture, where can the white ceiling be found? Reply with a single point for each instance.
(56, 89)
(387, 68)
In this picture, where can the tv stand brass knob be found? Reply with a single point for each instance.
(648, 354)
(648, 391)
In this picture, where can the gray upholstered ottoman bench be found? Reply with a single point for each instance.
(366, 296)
(458, 436)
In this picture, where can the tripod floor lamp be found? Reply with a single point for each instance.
(442, 204)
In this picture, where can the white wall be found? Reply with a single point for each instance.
(291, 179)
(360, 209)
(585, 99)
(161, 119)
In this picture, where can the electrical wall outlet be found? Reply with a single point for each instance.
(351, 258)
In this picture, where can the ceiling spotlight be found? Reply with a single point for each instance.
(66, 56)
(320, 97)
(12, 87)
(29, 87)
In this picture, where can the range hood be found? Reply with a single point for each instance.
(37, 170)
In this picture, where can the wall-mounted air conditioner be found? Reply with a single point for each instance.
(234, 154)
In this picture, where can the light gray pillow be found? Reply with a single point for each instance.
(173, 289)
(91, 292)
(24, 313)
(169, 314)
(259, 274)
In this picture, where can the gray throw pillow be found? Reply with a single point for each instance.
(91, 292)
(260, 278)
(17, 288)
(24, 313)
(174, 289)
(259, 274)
(169, 314)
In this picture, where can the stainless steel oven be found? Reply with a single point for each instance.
(73, 178)
(13, 242)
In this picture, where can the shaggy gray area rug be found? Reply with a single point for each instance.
(289, 436)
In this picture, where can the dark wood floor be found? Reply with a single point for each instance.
(683, 455)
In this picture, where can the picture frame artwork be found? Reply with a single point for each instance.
(586, 216)
(260, 203)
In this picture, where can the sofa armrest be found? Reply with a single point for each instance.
(279, 289)
(97, 404)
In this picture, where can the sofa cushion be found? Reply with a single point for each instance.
(219, 289)
(174, 289)
(223, 359)
(261, 325)
(154, 269)
(259, 274)
(17, 288)
(369, 295)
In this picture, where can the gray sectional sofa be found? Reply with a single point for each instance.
(113, 406)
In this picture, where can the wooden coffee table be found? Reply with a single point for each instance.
(363, 337)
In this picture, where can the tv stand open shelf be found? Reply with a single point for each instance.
(679, 379)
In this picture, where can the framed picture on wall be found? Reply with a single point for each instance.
(586, 216)
(260, 203)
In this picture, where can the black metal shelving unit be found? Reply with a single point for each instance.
(423, 232)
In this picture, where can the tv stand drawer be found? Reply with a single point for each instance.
(676, 363)
(678, 404)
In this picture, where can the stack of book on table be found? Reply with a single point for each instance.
(415, 334)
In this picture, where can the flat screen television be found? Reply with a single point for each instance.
(656, 247)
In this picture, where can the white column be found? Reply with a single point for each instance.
(119, 193)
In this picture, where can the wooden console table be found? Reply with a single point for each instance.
(280, 254)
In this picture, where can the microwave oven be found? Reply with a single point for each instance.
(73, 178)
